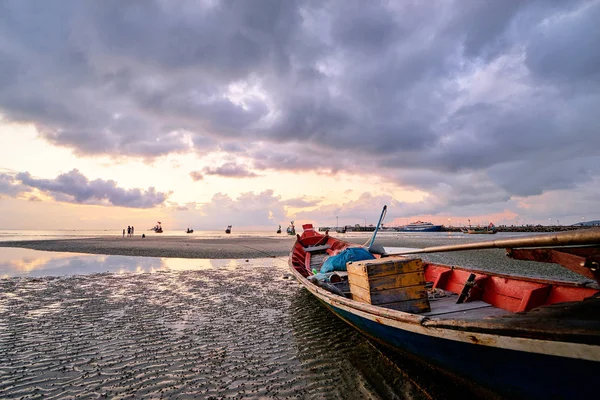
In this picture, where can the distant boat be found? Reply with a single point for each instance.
(157, 228)
(228, 230)
(522, 337)
(420, 226)
(279, 229)
(291, 230)
(189, 230)
(490, 230)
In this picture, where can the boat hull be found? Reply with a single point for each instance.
(434, 228)
(508, 372)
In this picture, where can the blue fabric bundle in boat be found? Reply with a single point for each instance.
(338, 262)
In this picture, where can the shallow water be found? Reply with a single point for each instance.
(214, 328)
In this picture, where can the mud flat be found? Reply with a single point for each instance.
(242, 331)
(151, 246)
(165, 247)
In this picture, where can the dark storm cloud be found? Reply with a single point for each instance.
(568, 50)
(431, 91)
(565, 174)
(74, 187)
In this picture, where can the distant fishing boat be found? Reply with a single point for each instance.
(515, 336)
(291, 230)
(189, 230)
(228, 229)
(490, 230)
(157, 228)
(420, 226)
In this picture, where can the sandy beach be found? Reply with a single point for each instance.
(152, 246)
(265, 247)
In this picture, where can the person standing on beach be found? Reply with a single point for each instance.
(123, 232)
(128, 230)
(131, 230)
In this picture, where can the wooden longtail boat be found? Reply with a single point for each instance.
(481, 231)
(489, 230)
(506, 335)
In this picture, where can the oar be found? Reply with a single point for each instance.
(573, 238)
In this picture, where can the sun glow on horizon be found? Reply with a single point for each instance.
(168, 174)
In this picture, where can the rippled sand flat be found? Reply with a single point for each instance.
(245, 331)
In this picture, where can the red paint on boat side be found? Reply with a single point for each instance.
(534, 298)
(514, 294)
(561, 294)
(301, 258)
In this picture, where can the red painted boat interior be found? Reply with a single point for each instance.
(512, 293)
(309, 238)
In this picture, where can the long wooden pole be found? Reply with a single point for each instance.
(383, 212)
(572, 238)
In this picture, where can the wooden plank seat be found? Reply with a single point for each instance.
(312, 249)
(446, 308)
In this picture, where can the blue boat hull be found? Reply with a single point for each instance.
(508, 372)
(435, 228)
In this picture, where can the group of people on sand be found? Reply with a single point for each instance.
(129, 231)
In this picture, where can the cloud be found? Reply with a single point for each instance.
(230, 170)
(566, 50)
(422, 93)
(248, 209)
(301, 202)
(74, 187)
(9, 186)
(196, 176)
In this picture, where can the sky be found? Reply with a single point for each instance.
(254, 113)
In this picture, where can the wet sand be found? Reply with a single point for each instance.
(166, 247)
(242, 331)
(177, 247)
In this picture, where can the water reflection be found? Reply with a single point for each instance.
(34, 263)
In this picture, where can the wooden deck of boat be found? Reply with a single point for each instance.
(575, 322)
(446, 308)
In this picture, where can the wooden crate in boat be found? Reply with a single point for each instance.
(394, 282)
